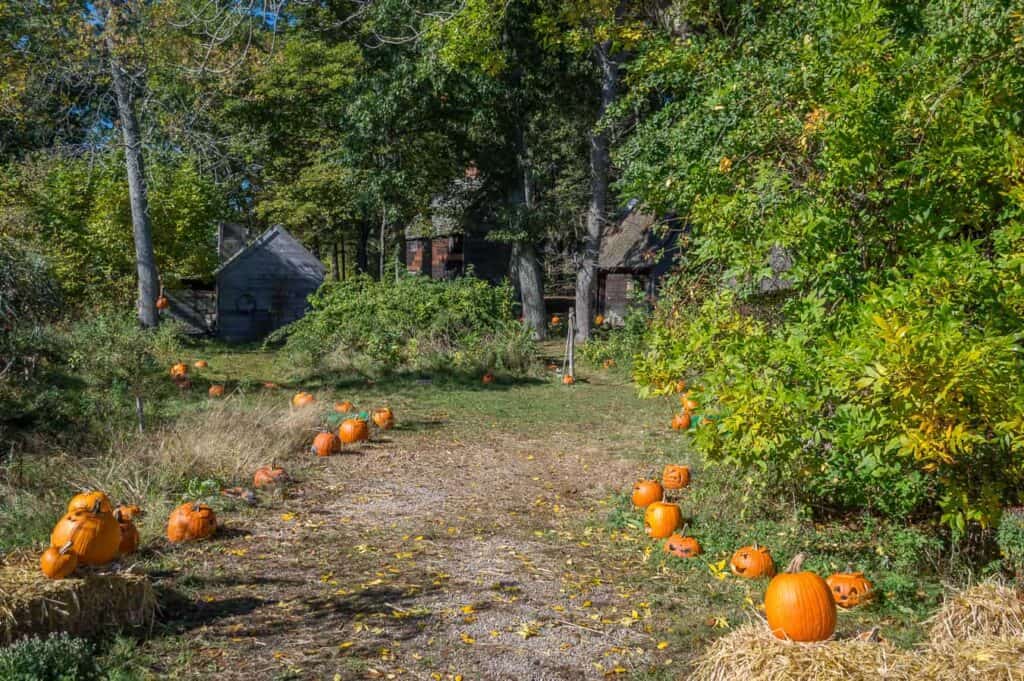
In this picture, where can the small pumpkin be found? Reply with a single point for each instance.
(301, 399)
(353, 430)
(568, 379)
(599, 320)
(127, 513)
(129, 538)
(683, 547)
(269, 475)
(488, 378)
(58, 563)
(675, 476)
(384, 418)
(662, 519)
(344, 407)
(850, 589)
(752, 562)
(609, 363)
(681, 421)
(179, 370)
(191, 521)
(555, 320)
(646, 492)
(86, 501)
(325, 444)
(688, 403)
(94, 535)
(162, 303)
(680, 385)
(799, 605)
(201, 364)
(216, 390)
(269, 385)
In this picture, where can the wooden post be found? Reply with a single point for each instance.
(571, 342)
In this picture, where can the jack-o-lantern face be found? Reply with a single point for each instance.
(675, 476)
(752, 562)
(850, 589)
(682, 547)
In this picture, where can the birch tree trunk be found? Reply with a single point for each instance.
(586, 275)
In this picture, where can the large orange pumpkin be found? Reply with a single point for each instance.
(384, 418)
(325, 444)
(353, 430)
(683, 547)
(646, 492)
(850, 589)
(662, 519)
(216, 390)
(799, 605)
(86, 501)
(301, 399)
(344, 407)
(752, 562)
(94, 535)
(269, 475)
(681, 421)
(201, 364)
(179, 370)
(190, 521)
(675, 476)
(58, 563)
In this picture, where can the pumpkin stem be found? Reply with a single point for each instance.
(64, 549)
(797, 562)
(96, 507)
(117, 514)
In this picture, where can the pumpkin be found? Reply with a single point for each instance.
(162, 303)
(488, 378)
(270, 385)
(850, 589)
(646, 492)
(681, 421)
(353, 430)
(799, 605)
(269, 475)
(683, 547)
(201, 364)
(86, 501)
(662, 519)
(555, 320)
(752, 562)
(384, 418)
(216, 390)
(179, 370)
(191, 521)
(344, 407)
(599, 320)
(325, 444)
(127, 513)
(129, 538)
(94, 535)
(609, 363)
(687, 402)
(58, 563)
(301, 399)
(568, 379)
(680, 385)
(675, 476)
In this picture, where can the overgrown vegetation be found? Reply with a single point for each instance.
(56, 658)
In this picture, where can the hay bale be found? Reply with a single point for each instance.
(982, 658)
(752, 653)
(989, 609)
(96, 600)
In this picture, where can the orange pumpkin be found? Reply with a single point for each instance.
(683, 547)
(127, 513)
(850, 589)
(384, 418)
(353, 430)
(270, 385)
(488, 378)
(162, 303)
(799, 605)
(680, 385)
(599, 320)
(568, 379)
(269, 475)
(94, 535)
(752, 562)
(325, 444)
(191, 521)
(86, 501)
(681, 421)
(201, 364)
(688, 403)
(662, 519)
(129, 538)
(646, 492)
(344, 407)
(216, 390)
(179, 370)
(301, 399)
(555, 320)
(609, 363)
(675, 476)
(58, 563)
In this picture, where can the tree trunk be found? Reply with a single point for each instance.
(316, 247)
(530, 277)
(145, 261)
(362, 257)
(383, 229)
(343, 265)
(334, 261)
(586, 275)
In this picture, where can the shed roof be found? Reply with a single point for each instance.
(632, 243)
(263, 240)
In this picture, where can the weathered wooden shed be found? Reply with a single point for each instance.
(264, 286)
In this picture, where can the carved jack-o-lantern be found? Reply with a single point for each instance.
(850, 589)
(752, 562)
(683, 547)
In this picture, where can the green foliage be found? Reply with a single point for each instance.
(851, 293)
(464, 324)
(620, 343)
(57, 658)
(1010, 538)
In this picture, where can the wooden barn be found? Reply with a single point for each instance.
(260, 286)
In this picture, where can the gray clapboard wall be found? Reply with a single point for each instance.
(265, 286)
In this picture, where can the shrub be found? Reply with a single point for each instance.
(623, 343)
(415, 322)
(1010, 537)
(57, 658)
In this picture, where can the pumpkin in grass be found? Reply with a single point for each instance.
(129, 538)
(799, 605)
(568, 379)
(609, 363)
(179, 370)
(646, 492)
(850, 589)
(269, 475)
(86, 501)
(94, 535)
(353, 430)
(302, 398)
(162, 303)
(680, 385)
(662, 519)
(216, 390)
(675, 476)
(201, 364)
(344, 407)
(752, 562)
(58, 563)
(681, 421)
(488, 378)
(555, 320)
(127, 513)
(325, 444)
(191, 521)
(384, 418)
(683, 547)
(688, 403)
(599, 320)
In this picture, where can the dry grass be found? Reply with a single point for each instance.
(988, 609)
(980, 658)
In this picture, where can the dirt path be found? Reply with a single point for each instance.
(425, 555)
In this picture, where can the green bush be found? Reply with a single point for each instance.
(57, 658)
(414, 323)
(623, 343)
(1010, 538)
